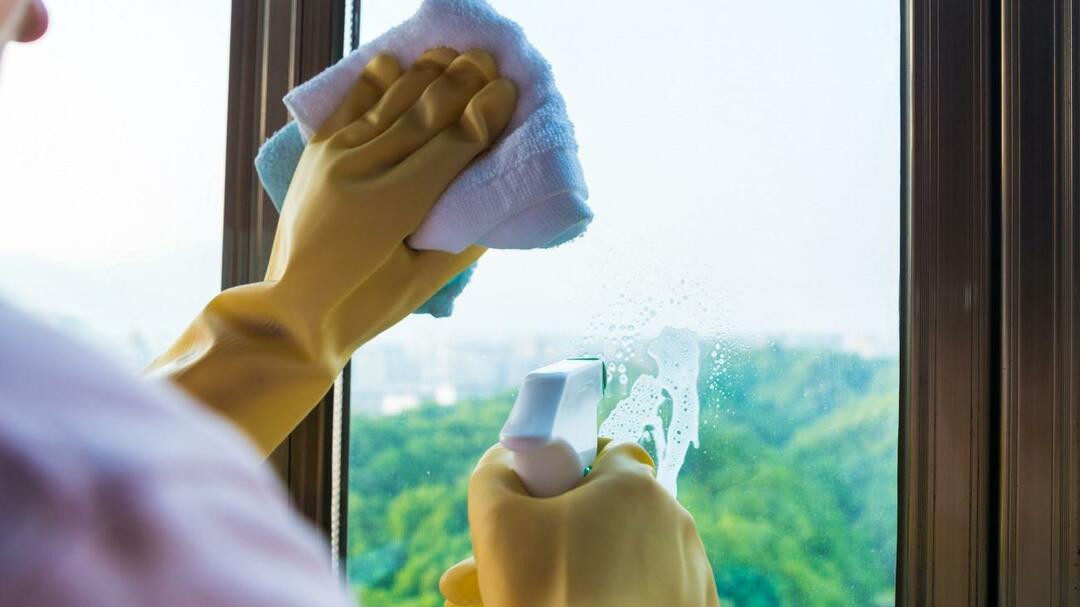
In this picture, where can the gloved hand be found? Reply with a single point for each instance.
(618, 539)
(340, 273)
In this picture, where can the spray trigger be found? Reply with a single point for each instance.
(552, 427)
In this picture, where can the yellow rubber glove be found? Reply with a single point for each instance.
(340, 273)
(616, 540)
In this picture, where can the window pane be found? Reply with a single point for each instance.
(743, 162)
(113, 169)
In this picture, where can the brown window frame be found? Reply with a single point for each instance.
(1038, 532)
(990, 348)
(275, 45)
(989, 465)
(948, 306)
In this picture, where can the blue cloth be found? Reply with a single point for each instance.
(276, 162)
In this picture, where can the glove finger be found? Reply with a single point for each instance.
(406, 279)
(449, 603)
(399, 97)
(494, 475)
(460, 585)
(617, 456)
(494, 481)
(496, 455)
(625, 470)
(378, 75)
(434, 166)
(439, 107)
(436, 268)
(425, 274)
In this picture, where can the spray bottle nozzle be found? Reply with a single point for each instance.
(552, 427)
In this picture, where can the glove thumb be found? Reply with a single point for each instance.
(460, 585)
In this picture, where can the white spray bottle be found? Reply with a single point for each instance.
(552, 428)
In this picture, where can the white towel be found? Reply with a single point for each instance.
(529, 190)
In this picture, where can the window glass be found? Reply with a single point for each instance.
(743, 163)
(113, 168)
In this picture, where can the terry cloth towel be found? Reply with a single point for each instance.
(276, 162)
(528, 191)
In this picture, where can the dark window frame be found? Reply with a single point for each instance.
(948, 308)
(990, 350)
(1038, 532)
(989, 465)
(275, 45)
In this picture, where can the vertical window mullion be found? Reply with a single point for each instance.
(275, 45)
(948, 303)
(1040, 447)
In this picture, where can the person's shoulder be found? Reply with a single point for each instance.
(119, 487)
(70, 394)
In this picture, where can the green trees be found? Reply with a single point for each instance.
(408, 484)
(793, 487)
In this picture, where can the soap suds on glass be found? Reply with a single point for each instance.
(662, 333)
(638, 416)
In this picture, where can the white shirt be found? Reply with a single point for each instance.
(116, 491)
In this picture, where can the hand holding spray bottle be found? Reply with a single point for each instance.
(621, 539)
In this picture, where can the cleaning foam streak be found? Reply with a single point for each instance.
(637, 416)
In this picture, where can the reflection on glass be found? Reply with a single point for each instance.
(112, 169)
(741, 279)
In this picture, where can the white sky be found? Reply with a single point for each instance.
(112, 166)
(742, 158)
(744, 153)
